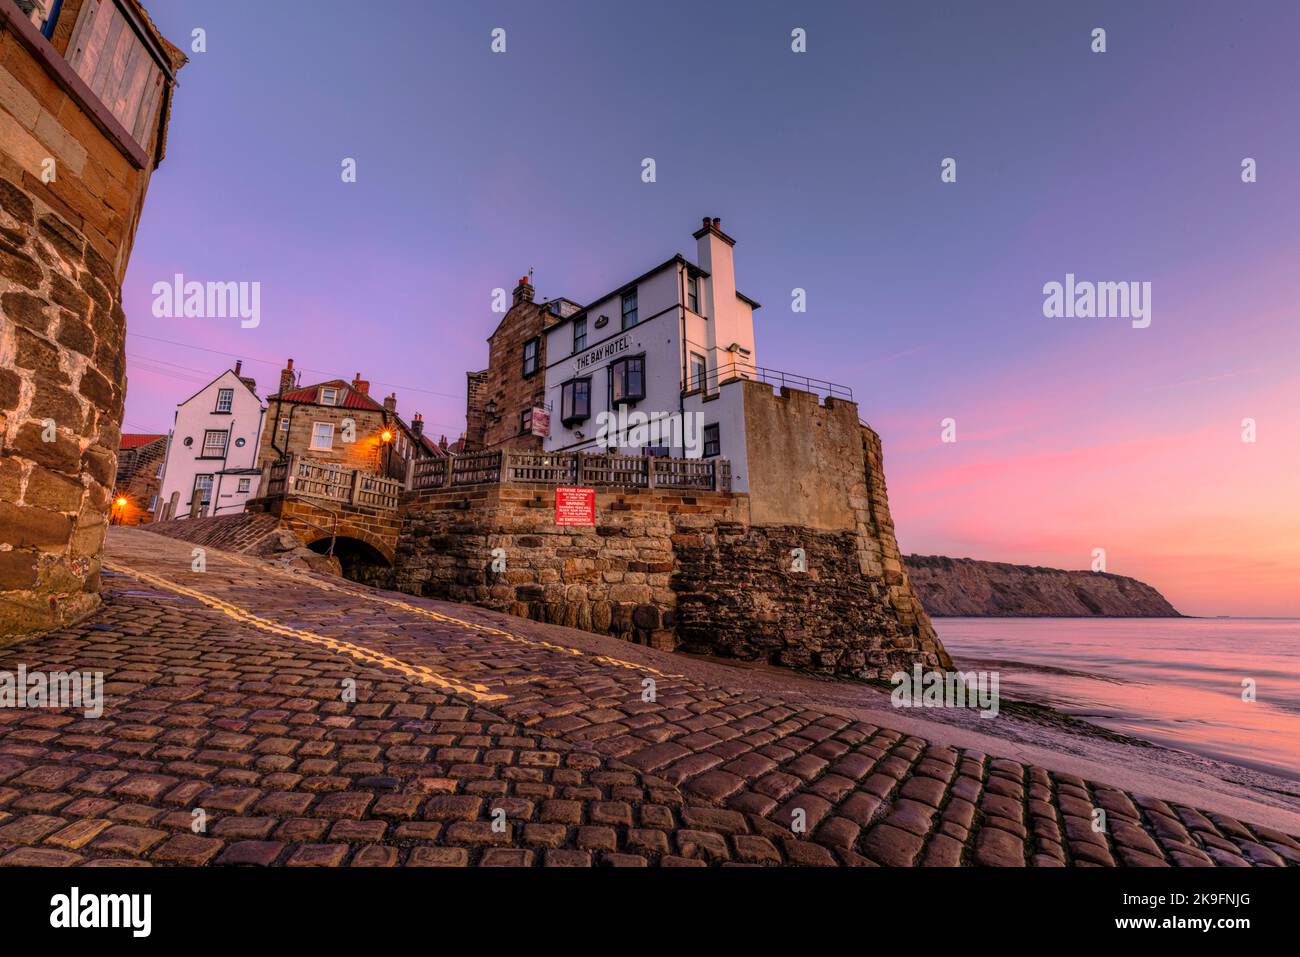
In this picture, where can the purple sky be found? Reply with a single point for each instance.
(924, 297)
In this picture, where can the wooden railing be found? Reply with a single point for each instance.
(571, 468)
(333, 482)
(330, 481)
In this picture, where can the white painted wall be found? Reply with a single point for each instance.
(196, 416)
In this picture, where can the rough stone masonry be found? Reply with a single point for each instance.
(72, 184)
(708, 572)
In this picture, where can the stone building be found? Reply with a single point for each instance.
(85, 92)
(139, 475)
(502, 398)
(338, 421)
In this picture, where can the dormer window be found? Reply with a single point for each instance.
(329, 396)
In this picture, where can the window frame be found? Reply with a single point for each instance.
(716, 441)
(526, 421)
(245, 485)
(229, 396)
(568, 394)
(578, 346)
(207, 499)
(321, 448)
(693, 294)
(624, 298)
(536, 343)
(334, 396)
(284, 423)
(628, 398)
(225, 444)
(692, 385)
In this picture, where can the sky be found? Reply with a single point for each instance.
(925, 297)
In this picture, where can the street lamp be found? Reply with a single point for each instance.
(387, 438)
(120, 505)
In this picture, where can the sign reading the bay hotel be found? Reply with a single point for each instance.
(575, 506)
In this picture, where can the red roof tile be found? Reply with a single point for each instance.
(352, 399)
(133, 440)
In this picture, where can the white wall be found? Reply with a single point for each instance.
(196, 416)
(661, 308)
(657, 335)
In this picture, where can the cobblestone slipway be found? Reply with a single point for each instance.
(476, 740)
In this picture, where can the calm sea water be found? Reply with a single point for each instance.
(1177, 682)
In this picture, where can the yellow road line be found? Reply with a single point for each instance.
(369, 656)
(448, 619)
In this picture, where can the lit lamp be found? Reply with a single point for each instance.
(120, 505)
(387, 438)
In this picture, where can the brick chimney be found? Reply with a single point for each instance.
(239, 364)
(523, 291)
(287, 379)
(360, 385)
(390, 403)
(417, 425)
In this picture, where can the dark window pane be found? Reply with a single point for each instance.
(712, 441)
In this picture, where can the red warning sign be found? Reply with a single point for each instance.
(575, 506)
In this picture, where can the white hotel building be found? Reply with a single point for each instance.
(663, 345)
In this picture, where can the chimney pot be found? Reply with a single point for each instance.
(286, 377)
(390, 403)
(523, 291)
(717, 223)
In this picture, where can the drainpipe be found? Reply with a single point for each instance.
(225, 461)
(681, 306)
(47, 31)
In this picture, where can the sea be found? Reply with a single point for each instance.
(1225, 688)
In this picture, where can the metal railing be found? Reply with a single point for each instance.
(571, 468)
(739, 369)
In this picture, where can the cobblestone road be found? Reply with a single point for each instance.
(478, 739)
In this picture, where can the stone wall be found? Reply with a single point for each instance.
(64, 244)
(669, 570)
(137, 481)
(741, 594)
(615, 578)
(364, 453)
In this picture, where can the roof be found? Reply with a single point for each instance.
(678, 259)
(133, 440)
(247, 383)
(352, 399)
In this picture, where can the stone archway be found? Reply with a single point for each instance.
(360, 560)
